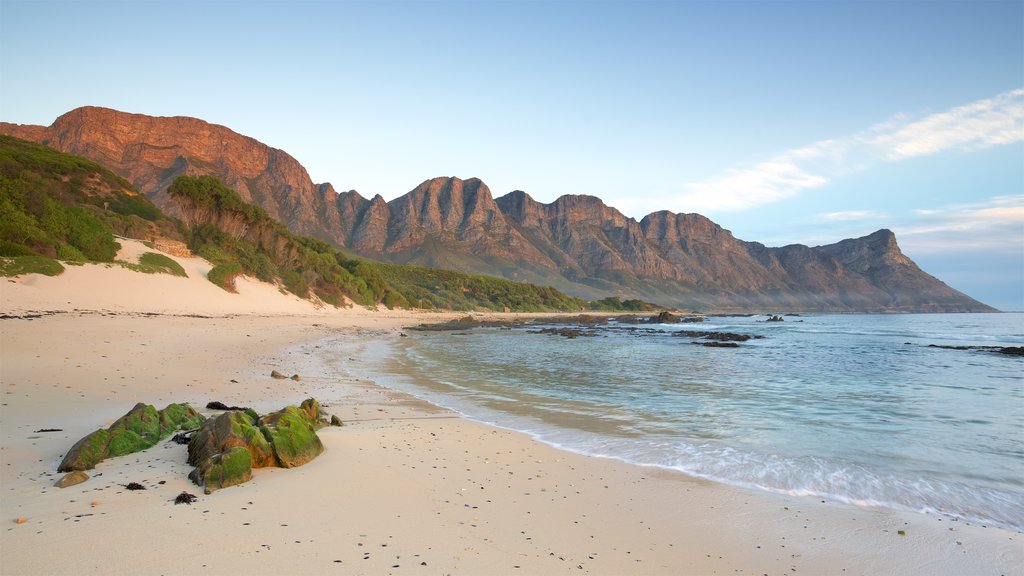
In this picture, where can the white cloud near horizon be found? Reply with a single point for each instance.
(996, 225)
(982, 124)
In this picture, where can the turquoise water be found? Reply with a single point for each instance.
(853, 408)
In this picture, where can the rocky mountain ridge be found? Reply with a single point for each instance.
(576, 243)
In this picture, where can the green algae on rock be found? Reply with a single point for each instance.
(143, 426)
(293, 436)
(224, 469)
(226, 448)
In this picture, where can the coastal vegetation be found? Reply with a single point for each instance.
(57, 207)
(238, 237)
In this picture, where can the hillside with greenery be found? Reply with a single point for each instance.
(56, 206)
(240, 238)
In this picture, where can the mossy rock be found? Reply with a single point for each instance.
(179, 417)
(86, 453)
(312, 412)
(137, 430)
(230, 430)
(225, 469)
(292, 436)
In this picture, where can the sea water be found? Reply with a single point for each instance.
(855, 408)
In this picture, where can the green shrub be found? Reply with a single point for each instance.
(224, 275)
(69, 253)
(19, 265)
(153, 263)
(9, 249)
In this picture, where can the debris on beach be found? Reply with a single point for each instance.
(134, 486)
(277, 375)
(218, 405)
(185, 498)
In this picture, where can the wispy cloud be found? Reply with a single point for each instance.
(994, 225)
(852, 216)
(981, 124)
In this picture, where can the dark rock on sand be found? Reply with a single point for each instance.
(335, 421)
(185, 498)
(217, 405)
(278, 375)
(71, 478)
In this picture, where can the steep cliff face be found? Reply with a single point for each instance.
(150, 152)
(576, 243)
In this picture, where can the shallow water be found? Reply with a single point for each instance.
(853, 408)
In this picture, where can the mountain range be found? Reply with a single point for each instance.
(576, 243)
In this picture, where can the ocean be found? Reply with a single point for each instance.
(852, 408)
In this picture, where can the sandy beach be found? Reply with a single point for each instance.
(403, 487)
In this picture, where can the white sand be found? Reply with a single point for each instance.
(400, 485)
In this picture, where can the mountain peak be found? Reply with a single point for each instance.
(576, 243)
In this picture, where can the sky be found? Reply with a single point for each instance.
(784, 122)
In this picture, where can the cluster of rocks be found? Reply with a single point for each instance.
(566, 332)
(224, 449)
(1006, 350)
(278, 376)
(228, 447)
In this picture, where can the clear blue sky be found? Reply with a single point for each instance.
(784, 122)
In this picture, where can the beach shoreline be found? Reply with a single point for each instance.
(402, 487)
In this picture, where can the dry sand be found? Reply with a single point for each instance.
(402, 488)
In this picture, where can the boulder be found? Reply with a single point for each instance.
(179, 417)
(292, 435)
(225, 469)
(71, 478)
(230, 430)
(142, 427)
(137, 430)
(86, 453)
(312, 412)
(335, 421)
